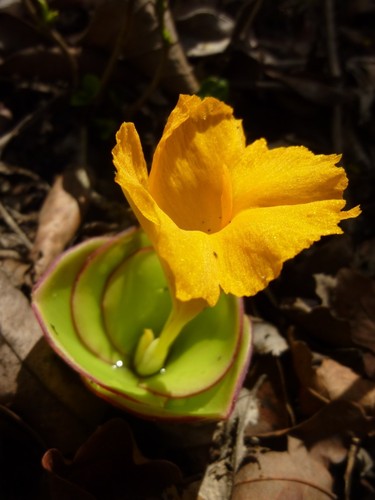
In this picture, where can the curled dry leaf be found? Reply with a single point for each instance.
(353, 300)
(267, 338)
(338, 418)
(346, 316)
(109, 466)
(21, 453)
(59, 220)
(259, 411)
(324, 439)
(142, 44)
(35, 383)
(313, 90)
(294, 473)
(204, 30)
(327, 380)
(300, 469)
(336, 381)
(228, 447)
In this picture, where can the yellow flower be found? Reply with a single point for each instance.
(220, 214)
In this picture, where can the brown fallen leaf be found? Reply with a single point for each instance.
(142, 44)
(293, 473)
(21, 453)
(338, 418)
(327, 436)
(228, 447)
(261, 410)
(336, 381)
(353, 300)
(345, 318)
(325, 380)
(324, 438)
(109, 466)
(313, 90)
(59, 217)
(204, 30)
(258, 454)
(267, 338)
(35, 383)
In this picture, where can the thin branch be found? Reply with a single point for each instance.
(12, 224)
(245, 19)
(54, 36)
(117, 48)
(333, 59)
(352, 457)
(335, 70)
(161, 8)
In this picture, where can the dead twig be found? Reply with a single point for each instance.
(335, 70)
(245, 20)
(117, 48)
(352, 457)
(54, 36)
(161, 8)
(12, 224)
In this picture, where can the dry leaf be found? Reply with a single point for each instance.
(59, 220)
(109, 466)
(353, 300)
(294, 473)
(35, 383)
(346, 316)
(21, 453)
(204, 29)
(328, 380)
(335, 381)
(256, 412)
(267, 338)
(338, 418)
(313, 90)
(228, 448)
(142, 43)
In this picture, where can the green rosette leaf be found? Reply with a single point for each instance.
(94, 304)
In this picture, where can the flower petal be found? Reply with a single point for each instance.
(283, 200)
(251, 250)
(132, 173)
(246, 255)
(189, 178)
(284, 176)
(171, 243)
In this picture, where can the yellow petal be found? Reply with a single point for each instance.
(222, 216)
(246, 255)
(265, 177)
(189, 177)
(132, 173)
(251, 250)
(162, 231)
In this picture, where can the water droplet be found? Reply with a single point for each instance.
(119, 363)
(162, 370)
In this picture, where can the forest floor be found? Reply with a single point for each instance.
(297, 73)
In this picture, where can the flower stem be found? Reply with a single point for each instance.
(151, 353)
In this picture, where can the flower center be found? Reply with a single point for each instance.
(221, 213)
(203, 204)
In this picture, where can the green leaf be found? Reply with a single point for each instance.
(87, 91)
(48, 14)
(94, 305)
(214, 87)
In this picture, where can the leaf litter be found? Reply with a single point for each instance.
(297, 73)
